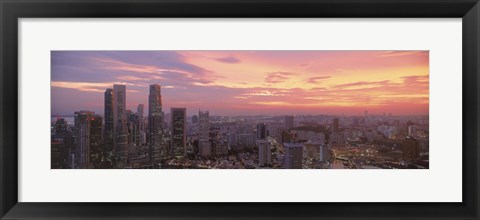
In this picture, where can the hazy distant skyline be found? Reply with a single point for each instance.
(247, 82)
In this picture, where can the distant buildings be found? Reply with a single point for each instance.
(410, 148)
(312, 149)
(179, 135)
(335, 125)
(289, 122)
(127, 139)
(305, 135)
(293, 156)
(194, 119)
(245, 140)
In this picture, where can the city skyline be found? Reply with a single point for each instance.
(286, 119)
(247, 82)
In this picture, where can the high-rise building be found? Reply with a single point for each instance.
(289, 122)
(108, 116)
(120, 130)
(82, 120)
(96, 141)
(324, 153)
(412, 130)
(56, 159)
(264, 153)
(410, 148)
(179, 135)
(335, 125)
(157, 150)
(204, 144)
(60, 126)
(141, 124)
(262, 132)
(293, 156)
(194, 119)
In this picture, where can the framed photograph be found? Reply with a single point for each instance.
(239, 109)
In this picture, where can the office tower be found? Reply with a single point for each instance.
(140, 111)
(204, 145)
(324, 153)
(293, 156)
(335, 125)
(412, 130)
(130, 127)
(179, 137)
(264, 153)
(194, 119)
(108, 115)
(155, 124)
(82, 133)
(120, 132)
(262, 132)
(141, 124)
(56, 159)
(60, 126)
(289, 122)
(96, 142)
(410, 148)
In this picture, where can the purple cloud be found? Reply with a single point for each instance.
(276, 77)
(228, 60)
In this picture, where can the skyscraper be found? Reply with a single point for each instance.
(204, 145)
(120, 130)
(262, 132)
(96, 142)
(293, 156)
(289, 122)
(194, 119)
(264, 149)
(335, 125)
(155, 124)
(141, 124)
(264, 153)
(82, 132)
(108, 115)
(179, 136)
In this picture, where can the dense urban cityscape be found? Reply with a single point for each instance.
(240, 109)
(122, 138)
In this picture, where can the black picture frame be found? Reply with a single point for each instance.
(12, 10)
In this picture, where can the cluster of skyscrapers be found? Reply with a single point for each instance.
(107, 142)
(126, 139)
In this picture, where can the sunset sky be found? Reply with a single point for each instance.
(247, 82)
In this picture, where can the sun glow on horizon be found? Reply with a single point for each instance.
(248, 82)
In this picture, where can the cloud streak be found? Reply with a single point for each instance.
(266, 82)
